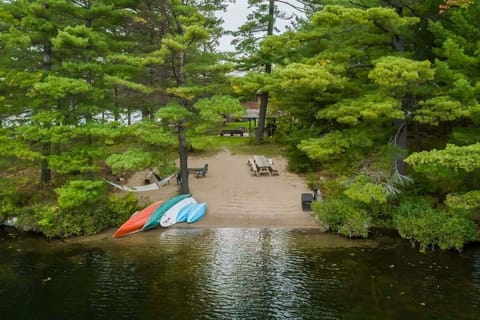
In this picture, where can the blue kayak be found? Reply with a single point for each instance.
(197, 212)
(183, 213)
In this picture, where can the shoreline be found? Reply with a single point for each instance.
(235, 198)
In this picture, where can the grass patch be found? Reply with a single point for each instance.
(266, 149)
(236, 125)
(209, 145)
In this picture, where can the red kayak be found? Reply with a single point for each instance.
(136, 221)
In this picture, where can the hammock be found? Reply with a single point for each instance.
(148, 187)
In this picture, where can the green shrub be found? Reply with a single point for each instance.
(298, 161)
(8, 199)
(332, 187)
(6, 206)
(49, 220)
(58, 223)
(28, 218)
(457, 230)
(344, 216)
(120, 208)
(84, 219)
(77, 193)
(416, 220)
(362, 190)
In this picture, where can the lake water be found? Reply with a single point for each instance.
(234, 274)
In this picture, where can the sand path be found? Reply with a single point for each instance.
(235, 198)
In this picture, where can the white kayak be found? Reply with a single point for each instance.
(170, 217)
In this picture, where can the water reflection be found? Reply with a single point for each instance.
(233, 274)
(265, 253)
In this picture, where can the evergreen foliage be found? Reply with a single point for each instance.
(344, 216)
(78, 72)
(354, 74)
(431, 228)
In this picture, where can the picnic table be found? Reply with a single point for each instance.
(263, 165)
(239, 131)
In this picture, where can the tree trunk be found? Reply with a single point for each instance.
(183, 152)
(116, 108)
(398, 45)
(262, 116)
(145, 114)
(268, 69)
(45, 172)
(400, 141)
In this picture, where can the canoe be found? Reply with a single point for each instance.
(183, 213)
(197, 213)
(136, 221)
(154, 220)
(170, 217)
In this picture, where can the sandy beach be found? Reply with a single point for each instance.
(235, 197)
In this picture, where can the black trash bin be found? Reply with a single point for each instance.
(307, 199)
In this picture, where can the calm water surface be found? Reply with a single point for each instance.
(233, 274)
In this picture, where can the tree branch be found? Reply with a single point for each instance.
(381, 27)
(359, 5)
(174, 69)
(413, 11)
(433, 84)
(292, 6)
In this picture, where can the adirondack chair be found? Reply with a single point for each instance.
(201, 172)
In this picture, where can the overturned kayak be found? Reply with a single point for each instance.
(183, 213)
(197, 212)
(137, 220)
(154, 220)
(170, 217)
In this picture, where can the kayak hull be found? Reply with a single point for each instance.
(183, 213)
(170, 217)
(154, 220)
(136, 221)
(197, 213)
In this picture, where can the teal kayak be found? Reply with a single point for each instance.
(154, 220)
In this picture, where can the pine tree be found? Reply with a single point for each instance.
(326, 70)
(453, 112)
(194, 71)
(260, 25)
(38, 22)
